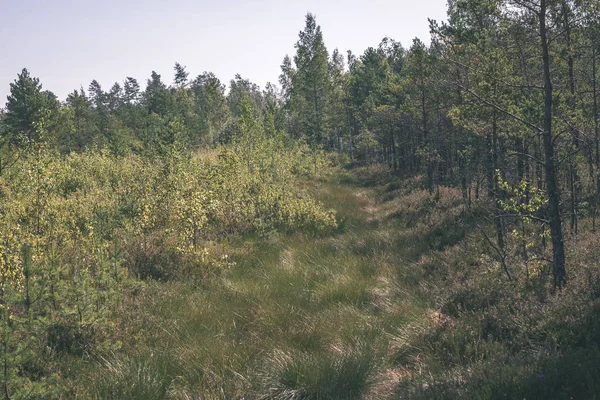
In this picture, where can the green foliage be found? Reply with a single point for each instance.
(181, 75)
(25, 107)
(76, 231)
(311, 87)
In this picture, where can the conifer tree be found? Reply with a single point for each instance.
(156, 95)
(26, 105)
(311, 86)
(131, 89)
(181, 75)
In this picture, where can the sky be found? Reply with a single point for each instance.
(68, 43)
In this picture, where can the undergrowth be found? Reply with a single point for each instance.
(401, 297)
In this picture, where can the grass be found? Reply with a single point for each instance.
(299, 316)
(399, 302)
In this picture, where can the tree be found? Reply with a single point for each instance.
(538, 15)
(98, 100)
(156, 96)
(181, 76)
(420, 66)
(310, 84)
(211, 109)
(131, 89)
(25, 107)
(114, 98)
(338, 115)
(238, 89)
(552, 189)
(97, 95)
(274, 111)
(286, 79)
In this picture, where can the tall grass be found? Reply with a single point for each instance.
(297, 316)
(402, 300)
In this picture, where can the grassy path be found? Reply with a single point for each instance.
(297, 317)
(400, 302)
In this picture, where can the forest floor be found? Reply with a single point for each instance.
(304, 316)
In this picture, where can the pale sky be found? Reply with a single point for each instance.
(68, 43)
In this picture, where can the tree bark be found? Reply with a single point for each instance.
(552, 189)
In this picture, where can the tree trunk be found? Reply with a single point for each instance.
(426, 140)
(596, 113)
(552, 190)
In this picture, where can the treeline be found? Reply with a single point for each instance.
(193, 112)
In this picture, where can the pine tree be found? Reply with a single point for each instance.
(311, 87)
(82, 134)
(337, 109)
(114, 98)
(286, 79)
(156, 96)
(26, 105)
(131, 89)
(181, 75)
(97, 95)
